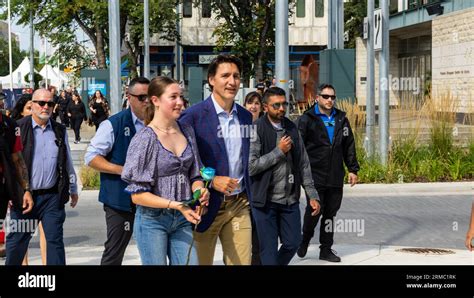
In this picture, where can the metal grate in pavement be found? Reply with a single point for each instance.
(432, 251)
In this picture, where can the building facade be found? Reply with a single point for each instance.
(4, 33)
(307, 36)
(431, 52)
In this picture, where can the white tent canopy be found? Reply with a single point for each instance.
(18, 76)
(54, 76)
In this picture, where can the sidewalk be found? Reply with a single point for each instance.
(88, 223)
(350, 255)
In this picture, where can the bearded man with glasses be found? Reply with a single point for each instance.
(329, 141)
(106, 154)
(52, 180)
(279, 166)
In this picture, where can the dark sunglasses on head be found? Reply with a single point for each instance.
(42, 103)
(327, 96)
(277, 105)
(141, 97)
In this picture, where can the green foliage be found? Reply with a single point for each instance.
(90, 178)
(162, 20)
(59, 21)
(411, 162)
(17, 56)
(248, 26)
(354, 13)
(37, 78)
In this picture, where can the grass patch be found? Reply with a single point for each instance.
(90, 178)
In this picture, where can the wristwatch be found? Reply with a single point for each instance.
(27, 189)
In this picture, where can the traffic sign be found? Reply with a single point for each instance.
(378, 29)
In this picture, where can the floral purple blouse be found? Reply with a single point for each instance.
(150, 167)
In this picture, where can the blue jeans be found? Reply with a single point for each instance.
(273, 221)
(47, 209)
(162, 233)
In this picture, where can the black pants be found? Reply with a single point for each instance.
(331, 198)
(64, 118)
(255, 246)
(119, 231)
(76, 126)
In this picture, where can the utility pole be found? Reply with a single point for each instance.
(282, 60)
(32, 52)
(384, 103)
(10, 46)
(146, 37)
(340, 24)
(370, 102)
(114, 53)
(178, 46)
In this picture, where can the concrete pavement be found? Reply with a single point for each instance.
(392, 217)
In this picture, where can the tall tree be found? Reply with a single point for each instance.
(162, 20)
(248, 26)
(59, 21)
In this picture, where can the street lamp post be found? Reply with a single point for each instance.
(146, 38)
(10, 46)
(114, 53)
(384, 105)
(32, 54)
(281, 47)
(370, 101)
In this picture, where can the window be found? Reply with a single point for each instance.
(393, 6)
(300, 8)
(187, 8)
(319, 11)
(206, 9)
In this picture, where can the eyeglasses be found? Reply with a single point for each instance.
(141, 97)
(277, 105)
(42, 103)
(327, 96)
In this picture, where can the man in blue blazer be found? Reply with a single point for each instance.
(223, 131)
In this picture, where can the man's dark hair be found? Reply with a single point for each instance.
(324, 86)
(138, 80)
(272, 91)
(222, 59)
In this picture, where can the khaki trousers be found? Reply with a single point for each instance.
(233, 227)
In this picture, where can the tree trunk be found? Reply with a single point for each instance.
(259, 75)
(259, 61)
(100, 48)
(133, 59)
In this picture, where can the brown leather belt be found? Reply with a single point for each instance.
(233, 197)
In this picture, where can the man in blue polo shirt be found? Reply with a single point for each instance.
(329, 141)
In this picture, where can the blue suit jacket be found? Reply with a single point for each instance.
(203, 118)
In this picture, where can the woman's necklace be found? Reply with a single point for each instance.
(163, 130)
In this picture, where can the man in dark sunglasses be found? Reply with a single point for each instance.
(329, 140)
(279, 166)
(106, 154)
(52, 181)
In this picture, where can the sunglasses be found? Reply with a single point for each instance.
(141, 97)
(326, 96)
(42, 103)
(277, 105)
